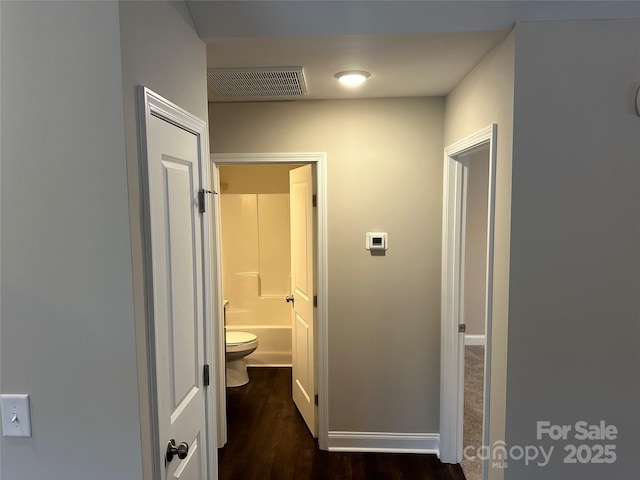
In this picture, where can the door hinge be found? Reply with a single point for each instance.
(315, 399)
(315, 300)
(202, 204)
(314, 200)
(462, 328)
(206, 380)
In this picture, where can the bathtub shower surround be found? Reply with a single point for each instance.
(254, 205)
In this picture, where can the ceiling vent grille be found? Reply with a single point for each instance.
(257, 82)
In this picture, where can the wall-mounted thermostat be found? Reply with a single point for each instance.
(377, 241)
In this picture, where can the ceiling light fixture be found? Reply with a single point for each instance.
(352, 77)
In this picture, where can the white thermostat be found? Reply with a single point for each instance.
(377, 241)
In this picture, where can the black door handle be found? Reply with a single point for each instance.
(181, 450)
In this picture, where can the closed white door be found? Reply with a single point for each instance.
(303, 288)
(178, 298)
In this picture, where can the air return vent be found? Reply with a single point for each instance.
(257, 82)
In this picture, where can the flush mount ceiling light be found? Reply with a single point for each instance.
(352, 77)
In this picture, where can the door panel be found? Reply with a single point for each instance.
(303, 333)
(178, 294)
(302, 285)
(190, 467)
(183, 282)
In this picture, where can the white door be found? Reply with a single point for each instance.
(303, 290)
(173, 162)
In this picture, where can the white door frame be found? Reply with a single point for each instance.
(453, 248)
(151, 104)
(319, 159)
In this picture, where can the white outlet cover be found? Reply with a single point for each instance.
(16, 415)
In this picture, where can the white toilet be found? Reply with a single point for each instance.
(239, 345)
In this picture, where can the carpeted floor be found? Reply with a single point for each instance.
(473, 404)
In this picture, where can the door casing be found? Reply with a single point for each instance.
(453, 248)
(319, 160)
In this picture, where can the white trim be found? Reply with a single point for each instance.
(470, 339)
(219, 340)
(322, 276)
(384, 442)
(151, 104)
(453, 247)
(260, 327)
(279, 362)
(450, 426)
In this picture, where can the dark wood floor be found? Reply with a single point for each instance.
(268, 440)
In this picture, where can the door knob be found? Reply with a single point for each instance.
(289, 298)
(181, 450)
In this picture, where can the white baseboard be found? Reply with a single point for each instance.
(475, 339)
(269, 359)
(383, 442)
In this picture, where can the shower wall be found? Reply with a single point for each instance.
(254, 203)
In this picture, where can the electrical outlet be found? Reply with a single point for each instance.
(16, 415)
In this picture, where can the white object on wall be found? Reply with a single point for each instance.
(377, 241)
(16, 416)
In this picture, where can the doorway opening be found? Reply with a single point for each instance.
(467, 289)
(475, 268)
(238, 317)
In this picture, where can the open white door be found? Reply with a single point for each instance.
(303, 288)
(177, 302)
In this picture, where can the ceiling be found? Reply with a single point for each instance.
(401, 65)
(411, 48)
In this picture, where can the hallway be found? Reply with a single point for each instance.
(269, 441)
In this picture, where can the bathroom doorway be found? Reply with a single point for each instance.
(253, 191)
(467, 293)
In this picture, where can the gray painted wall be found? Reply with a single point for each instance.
(67, 304)
(384, 173)
(72, 306)
(575, 270)
(484, 97)
(160, 50)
